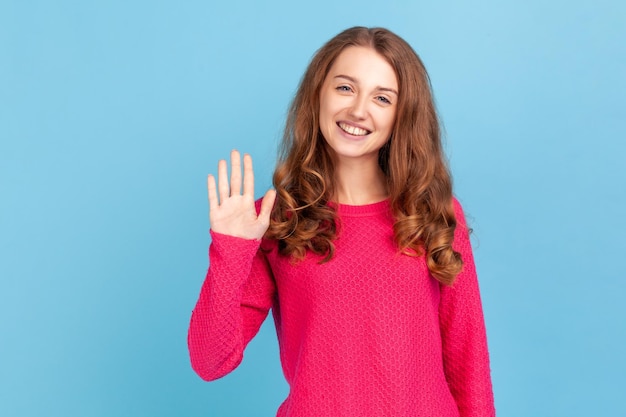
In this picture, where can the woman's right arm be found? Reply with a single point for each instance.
(238, 290)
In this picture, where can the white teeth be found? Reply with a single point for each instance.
(353, 130)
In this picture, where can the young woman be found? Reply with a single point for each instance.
(362, 252)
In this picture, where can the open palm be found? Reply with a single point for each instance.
(234, 212)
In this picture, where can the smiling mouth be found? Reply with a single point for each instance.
(353, 130)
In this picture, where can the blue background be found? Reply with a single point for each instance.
(112, 113)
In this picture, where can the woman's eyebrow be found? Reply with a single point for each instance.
(355, 81)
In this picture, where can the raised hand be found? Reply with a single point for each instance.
(234, 213)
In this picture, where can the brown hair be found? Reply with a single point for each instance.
(418, 182)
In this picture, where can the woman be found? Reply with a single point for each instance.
(362, 253)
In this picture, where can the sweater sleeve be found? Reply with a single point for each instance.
(464, 340)
(234, 300)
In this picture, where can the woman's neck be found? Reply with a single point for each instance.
(358, 184)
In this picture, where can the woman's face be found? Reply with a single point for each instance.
(358, 103)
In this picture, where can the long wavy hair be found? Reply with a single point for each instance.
(412, 160)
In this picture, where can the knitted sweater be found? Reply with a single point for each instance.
(369, 333)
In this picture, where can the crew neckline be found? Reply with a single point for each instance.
(364, 209)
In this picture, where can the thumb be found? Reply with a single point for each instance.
(266, 205)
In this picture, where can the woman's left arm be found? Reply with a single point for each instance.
(464, 339)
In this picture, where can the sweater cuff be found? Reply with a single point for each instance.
(227, 245)
(230, 260)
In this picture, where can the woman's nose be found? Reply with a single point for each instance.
(358, 109)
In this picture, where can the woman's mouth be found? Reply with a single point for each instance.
(353, 130)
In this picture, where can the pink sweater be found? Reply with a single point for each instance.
(369, 333)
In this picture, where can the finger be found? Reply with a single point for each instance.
(213, 204)
(248, 176)
(222, 180)
(266, 206)
(235, 173)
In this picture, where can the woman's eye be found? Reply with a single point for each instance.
(344, 88)
(383, 99)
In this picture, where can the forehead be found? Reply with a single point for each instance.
(366, 65)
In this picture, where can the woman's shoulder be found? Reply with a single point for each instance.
(458, 211)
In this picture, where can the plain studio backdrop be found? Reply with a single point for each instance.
(113, 113)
